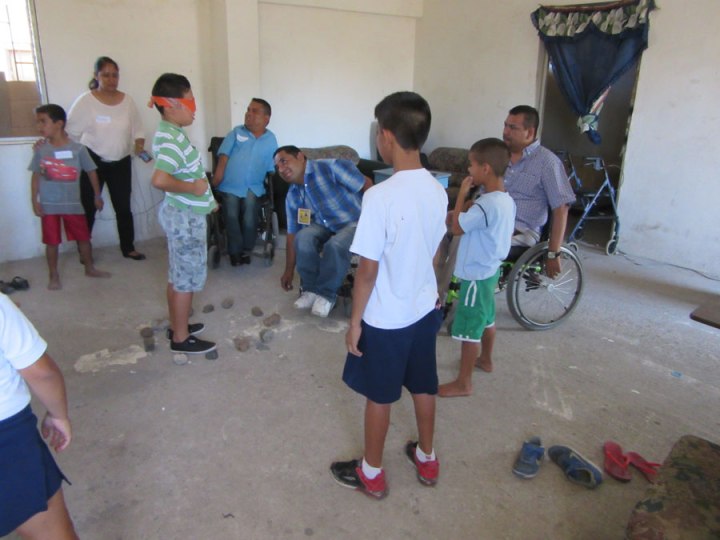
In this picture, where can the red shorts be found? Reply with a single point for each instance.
(75, 228)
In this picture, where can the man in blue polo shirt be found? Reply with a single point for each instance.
(322, 208)
(244, 157)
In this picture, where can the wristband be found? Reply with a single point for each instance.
(98, 197)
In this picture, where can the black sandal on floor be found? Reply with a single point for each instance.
(6, 288)
(19, 284)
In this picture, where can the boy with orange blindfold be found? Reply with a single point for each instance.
(180, 173)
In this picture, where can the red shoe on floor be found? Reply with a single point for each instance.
(647, 468)
(616, 463)
(349, 474)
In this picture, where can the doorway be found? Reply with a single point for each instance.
(560, 133)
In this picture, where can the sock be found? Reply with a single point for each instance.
(369, 471)
(422, 457)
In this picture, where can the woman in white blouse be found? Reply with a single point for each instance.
(107, 122)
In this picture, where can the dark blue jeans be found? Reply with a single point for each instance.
(241, 218)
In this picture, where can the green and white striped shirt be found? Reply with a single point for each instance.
(176, 156)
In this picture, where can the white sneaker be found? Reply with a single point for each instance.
(322, 307)
(306, 300)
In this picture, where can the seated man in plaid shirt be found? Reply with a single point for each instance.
(322, 208)
(536, 180)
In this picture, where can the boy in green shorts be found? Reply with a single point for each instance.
(486, 228)
(179, 172)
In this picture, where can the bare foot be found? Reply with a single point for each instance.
(484, 365)
(94, 272)
(54, 283)
(454, 389)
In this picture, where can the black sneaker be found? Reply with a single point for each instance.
(192, 345)
(349, 474)
(245, 259)
(193, 329)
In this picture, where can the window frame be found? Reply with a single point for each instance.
(39, 70)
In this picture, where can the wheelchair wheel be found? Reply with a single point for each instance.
(213, 257)
(347, 306)
(537, 301)
(611, 247)
(275, 226)
(268, 253)
(505, 269)
(214, 241)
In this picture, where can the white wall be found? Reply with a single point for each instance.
(477, 58)
(323, 64)
(21, 229)
(474, 60)
(670, 191)
(324, 71)
(73, 33)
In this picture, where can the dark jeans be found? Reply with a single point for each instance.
(241, 221)
(118, 177)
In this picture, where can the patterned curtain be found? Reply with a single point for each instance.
(590, 47)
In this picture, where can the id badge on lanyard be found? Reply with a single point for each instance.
(303, 216)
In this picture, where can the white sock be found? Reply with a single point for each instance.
(422, 457)
(369, 471)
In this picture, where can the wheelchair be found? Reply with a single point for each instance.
(345, 291)
(535, 300)
(267, 229)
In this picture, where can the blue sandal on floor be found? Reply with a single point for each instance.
(527, 464)
(577, 469)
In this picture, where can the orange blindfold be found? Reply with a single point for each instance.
(188, 103)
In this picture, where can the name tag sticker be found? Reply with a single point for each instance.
(102, 119)
(63, 154)
(304, 216)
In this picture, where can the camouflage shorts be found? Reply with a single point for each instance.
(187, 247)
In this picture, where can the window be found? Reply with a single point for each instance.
(21, 82)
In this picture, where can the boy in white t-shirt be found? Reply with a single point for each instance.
(31, 495)
(485, 227)
(396, 313)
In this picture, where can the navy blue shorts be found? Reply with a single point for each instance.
(395, 358)
(29, 475)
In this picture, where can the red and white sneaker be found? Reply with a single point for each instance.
(349, 474)
(428, 472)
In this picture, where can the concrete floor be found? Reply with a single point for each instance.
(239, 447)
